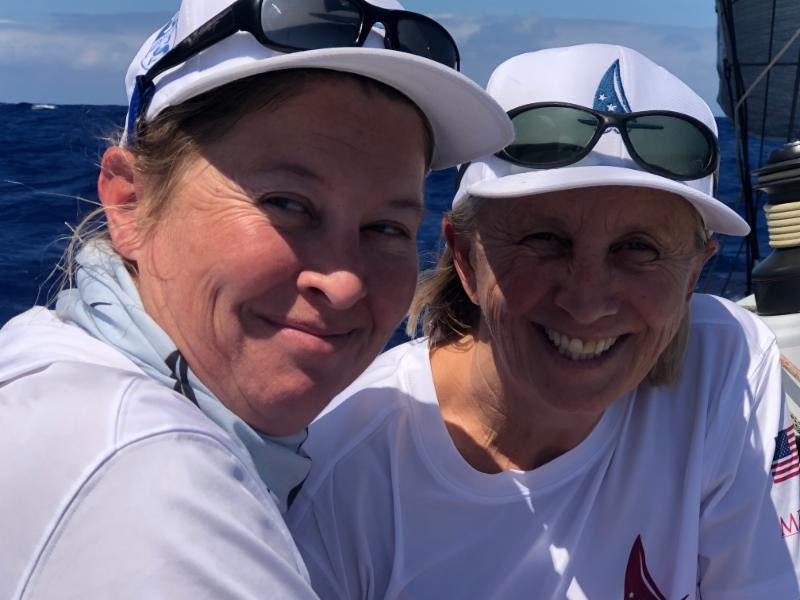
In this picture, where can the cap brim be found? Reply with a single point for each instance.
(466, 121)
(716, 215)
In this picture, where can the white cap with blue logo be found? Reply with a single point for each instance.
(607, 79)
(466, 121)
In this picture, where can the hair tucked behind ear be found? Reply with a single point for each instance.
(440, 304)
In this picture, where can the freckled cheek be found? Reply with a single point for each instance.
(519, 290)
(257, 283)
(234, 286)
(502, 285)
(660, 307)
(513, 338)
(657, 301)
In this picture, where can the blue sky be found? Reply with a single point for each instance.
(78, 51)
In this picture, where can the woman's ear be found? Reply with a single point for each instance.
(461, 247)
(117, 190)
(710, 250)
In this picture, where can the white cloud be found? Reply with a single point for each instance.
(71, 58)
(525, 24)
(78, 41)
(103, 45)
(464, 30)
(70, 50)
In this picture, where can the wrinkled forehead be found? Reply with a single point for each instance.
(606, 208)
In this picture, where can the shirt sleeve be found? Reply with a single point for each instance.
(176, 515)
(743, 549)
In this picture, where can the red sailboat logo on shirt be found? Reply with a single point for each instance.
(639, 584)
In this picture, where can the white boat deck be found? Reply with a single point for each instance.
(787, 330)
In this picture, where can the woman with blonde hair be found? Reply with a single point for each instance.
(577, 423)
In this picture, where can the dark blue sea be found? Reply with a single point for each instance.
(49, 159)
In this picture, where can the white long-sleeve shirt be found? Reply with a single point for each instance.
(114, 486)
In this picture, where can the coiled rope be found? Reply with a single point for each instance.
(783, 224)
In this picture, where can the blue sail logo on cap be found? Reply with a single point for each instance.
(610, 95)
(162, 43)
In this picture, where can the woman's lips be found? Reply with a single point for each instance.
(586, 350)
(315, 329)
(312, 336)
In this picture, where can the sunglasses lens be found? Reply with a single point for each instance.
(428, 39)
(548, 135)
(670, 144)
(311, 24)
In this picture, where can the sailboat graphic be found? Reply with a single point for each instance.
(610, 95)
(639, 584)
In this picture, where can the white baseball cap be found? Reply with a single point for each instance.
(466, 121)
(607, 78)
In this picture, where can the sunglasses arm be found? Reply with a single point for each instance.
(225, 24)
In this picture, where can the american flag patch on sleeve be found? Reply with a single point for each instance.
(785, 462)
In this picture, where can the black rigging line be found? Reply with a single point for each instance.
(766, 86)
(793, 110)
(743, 151)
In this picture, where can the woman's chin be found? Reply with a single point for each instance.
(584, 384)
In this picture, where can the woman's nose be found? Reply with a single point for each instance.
(587, 291)
(338, 279)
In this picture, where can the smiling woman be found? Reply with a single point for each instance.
(577, 422)
(256, 248)
(342, 255)
(613, 267)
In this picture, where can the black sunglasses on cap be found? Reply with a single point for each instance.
(548, 135)
(295, 25)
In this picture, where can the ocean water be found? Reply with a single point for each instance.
(49, 159)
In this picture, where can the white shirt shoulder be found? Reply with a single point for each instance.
(121, 487)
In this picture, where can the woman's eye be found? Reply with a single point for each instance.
(544, 239)
(638, 249)
(284, 203)
(545, 245)
(638, 246)
(389, 229)
(542, 236)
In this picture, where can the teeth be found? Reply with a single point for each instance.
(578, 349)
